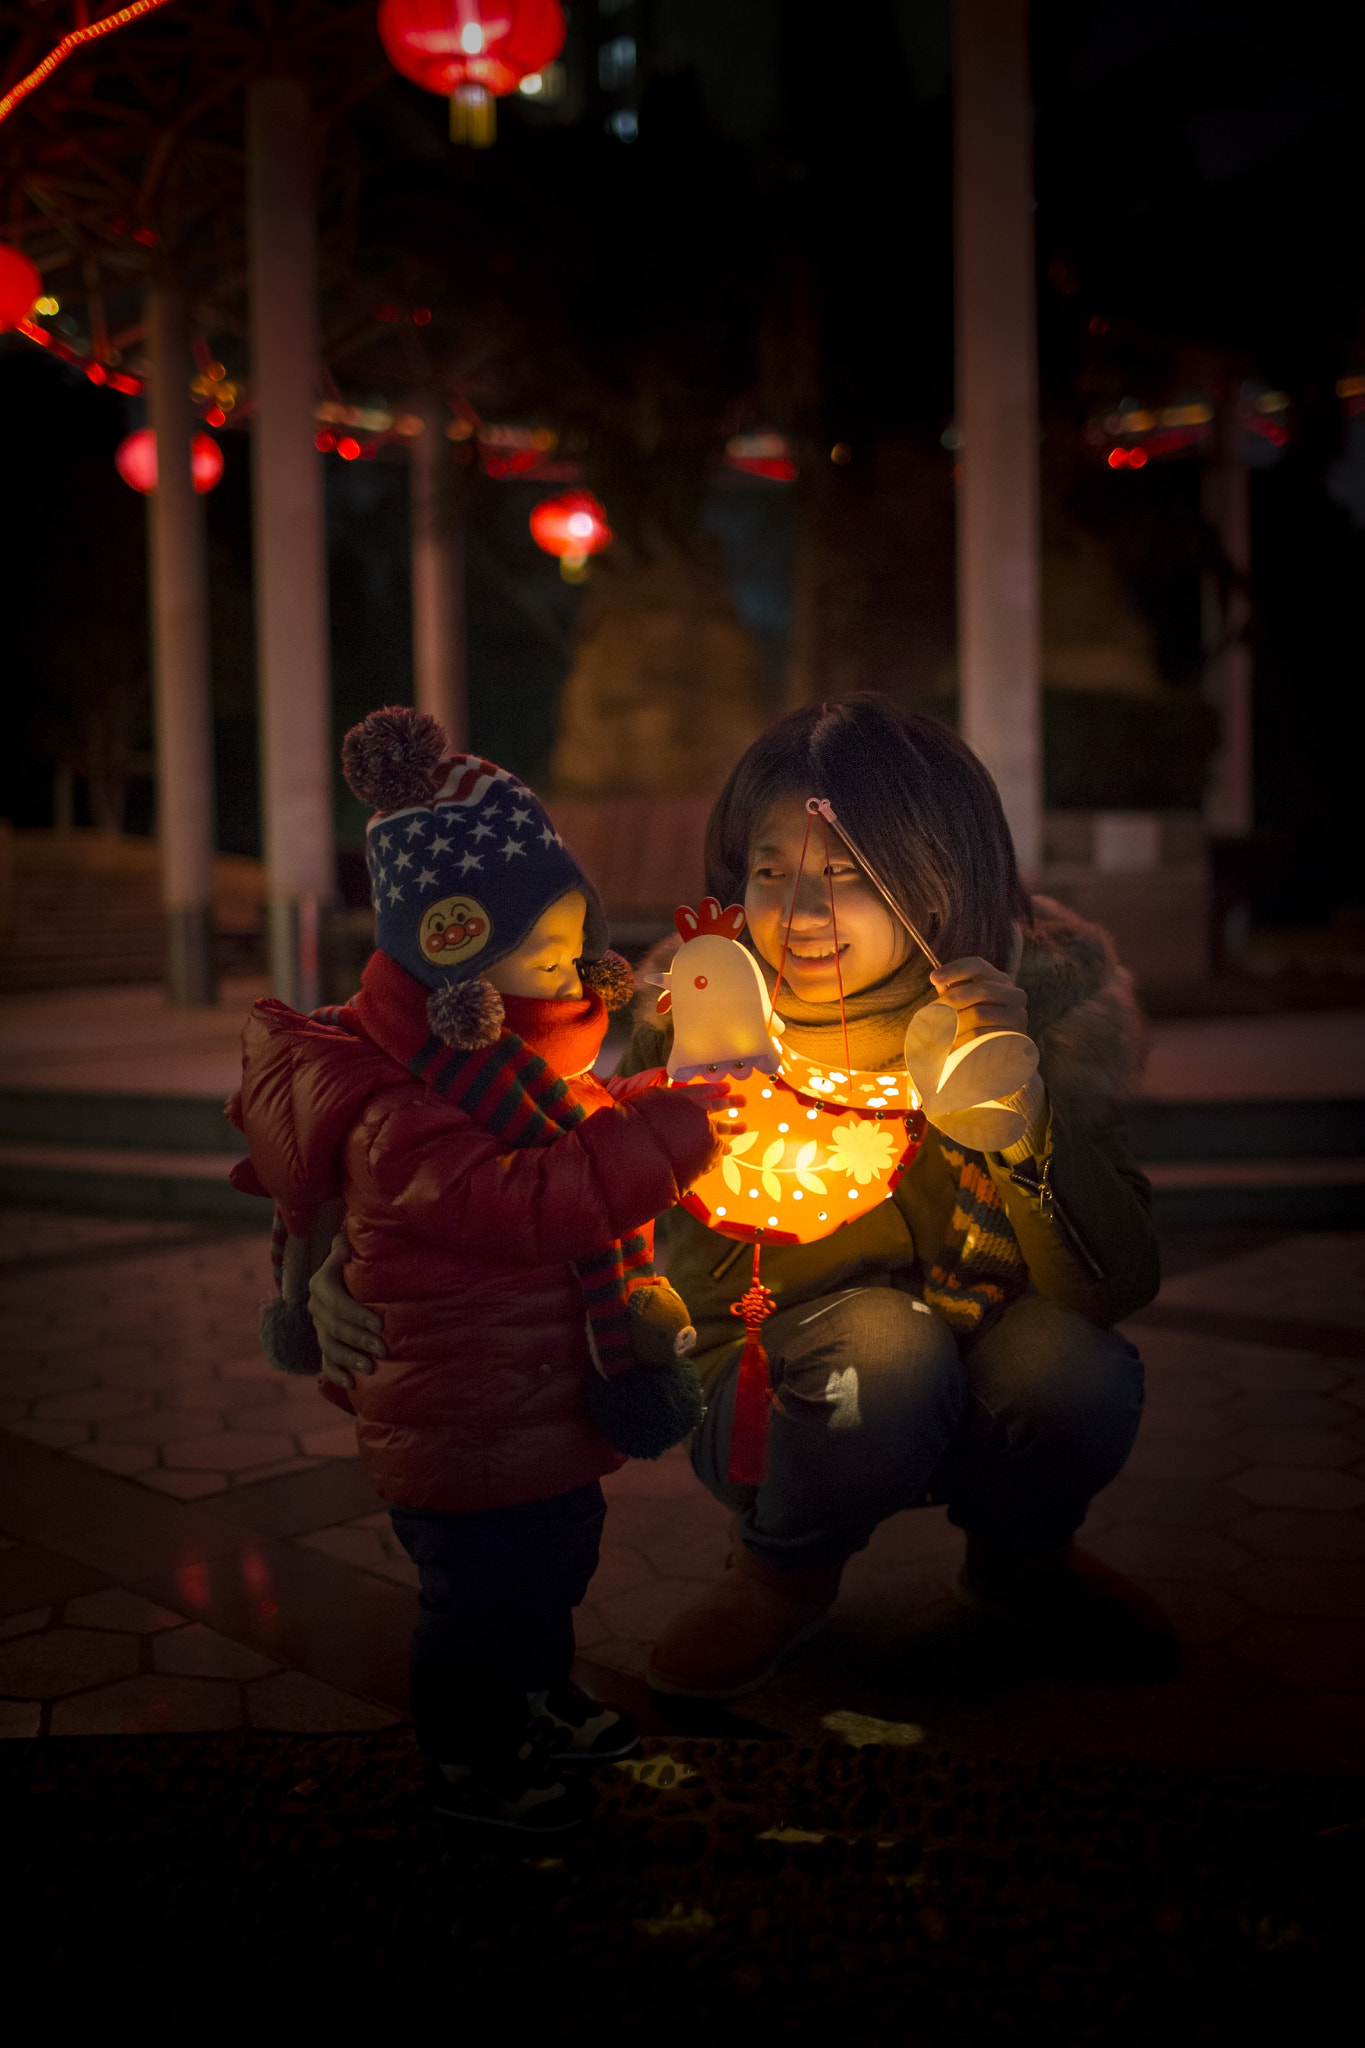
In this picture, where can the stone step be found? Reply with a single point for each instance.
(126, 1181)
(1246, 1130)
(162, 1123)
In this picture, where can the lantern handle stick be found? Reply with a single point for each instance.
(820, 806)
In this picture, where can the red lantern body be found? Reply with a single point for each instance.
(135, 460)
(20, 284)
(443, 45)
(572, 526)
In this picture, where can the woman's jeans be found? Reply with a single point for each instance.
(497, 1592)
(878, 1407)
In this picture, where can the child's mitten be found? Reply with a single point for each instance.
(654, 1404)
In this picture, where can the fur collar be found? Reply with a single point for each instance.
(1083, 1012)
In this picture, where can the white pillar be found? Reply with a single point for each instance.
(438, 573)
(997, 409)
(180, 664)
(290, 537)
(1226, 501)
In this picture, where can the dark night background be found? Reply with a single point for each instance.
(775, 249)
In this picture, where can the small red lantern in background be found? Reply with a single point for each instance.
(135, 460)
(21, 283)
(472, 52)
(572, 526)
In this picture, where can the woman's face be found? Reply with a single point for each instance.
(871, 943)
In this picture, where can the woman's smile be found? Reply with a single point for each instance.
(807, 896)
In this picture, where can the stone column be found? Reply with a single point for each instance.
(290, 537)
(438, 588)
(997, 408)
(180, 663)
(1225, 493)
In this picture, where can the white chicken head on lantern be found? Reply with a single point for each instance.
(723, 1019)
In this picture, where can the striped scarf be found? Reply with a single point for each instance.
(980, 1268)
(515, 1094)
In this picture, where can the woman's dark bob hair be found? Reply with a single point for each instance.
(916, 799)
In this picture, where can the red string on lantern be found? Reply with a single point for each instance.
(472, 52)
(753, 1389)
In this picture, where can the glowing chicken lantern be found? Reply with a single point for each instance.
(20, 284)
(135, 460)
(572, 526)
(472, 52)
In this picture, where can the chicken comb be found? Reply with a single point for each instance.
(709, 920)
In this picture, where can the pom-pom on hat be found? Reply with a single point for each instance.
(463, 859)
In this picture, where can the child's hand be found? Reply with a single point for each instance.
(350, 1336)
(718, 1099)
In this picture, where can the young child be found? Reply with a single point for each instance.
(498, 1203)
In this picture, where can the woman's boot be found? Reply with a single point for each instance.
(733, 1638)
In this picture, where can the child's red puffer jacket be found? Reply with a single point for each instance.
(461, 1245)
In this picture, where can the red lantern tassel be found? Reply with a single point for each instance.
(749, 1429)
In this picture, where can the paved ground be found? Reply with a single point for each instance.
(189, 1543)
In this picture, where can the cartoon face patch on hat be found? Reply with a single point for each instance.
(453, 931)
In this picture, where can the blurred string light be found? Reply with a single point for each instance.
(85, 32)
(1351, 392)
(21, 281)
(1132, 435)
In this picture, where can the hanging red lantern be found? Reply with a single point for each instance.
(20, 284)
(572, 526)
(135, 460)
(472, 52)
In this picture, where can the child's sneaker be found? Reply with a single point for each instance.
(586, 1730)
(523, 1794)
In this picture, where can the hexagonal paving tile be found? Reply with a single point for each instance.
(1175, 1458)
(362, 1546)
(116, 1608)
(156, 1426)
(295, 1702)
(228, 1451)
(1294, 1447)
(25, 1624)
(1326, 1655)
(336, 1442)
(621, 1568)
(96, 1404)
(56, 1436)
(151, 1705)
(1287, 1532)
(1298, 1586)
(126, 1459)
(184, 1485)
(19, 1719)
(642, 1613)
(1169, 1553)
(199, 1652)
(63, 1660)
(1299, 1486)
(1177, 1503)
(291, 1417)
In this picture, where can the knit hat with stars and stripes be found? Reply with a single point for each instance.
(463, 859)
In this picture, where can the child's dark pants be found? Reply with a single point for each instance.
(497, 1594)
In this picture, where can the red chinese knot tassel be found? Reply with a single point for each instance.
(749, 1431)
